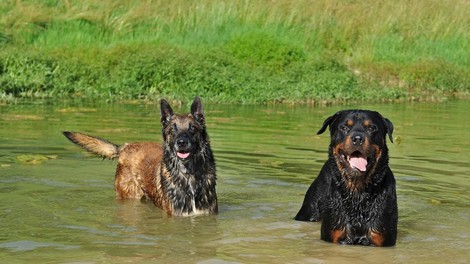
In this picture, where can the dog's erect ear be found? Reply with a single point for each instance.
(389, 126)
(328, 122)
(166, 112)
(197, 111)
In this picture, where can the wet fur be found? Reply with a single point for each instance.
(355, 207)
(180, 186)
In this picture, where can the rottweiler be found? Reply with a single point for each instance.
(354, 195)
(178, 176)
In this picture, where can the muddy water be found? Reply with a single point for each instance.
(58, 206)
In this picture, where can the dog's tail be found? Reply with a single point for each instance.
(95, 145)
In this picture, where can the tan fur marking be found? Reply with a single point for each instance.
(376, 238)
(338, 148)
(337, 235)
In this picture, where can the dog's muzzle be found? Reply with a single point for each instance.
(357, 159)
(183, 147)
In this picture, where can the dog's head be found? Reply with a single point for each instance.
(358, 144)
(183, 135)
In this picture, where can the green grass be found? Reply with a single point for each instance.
(235, 51)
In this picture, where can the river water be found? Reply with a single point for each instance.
(58, 205)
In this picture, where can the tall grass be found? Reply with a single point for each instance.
(249, 51)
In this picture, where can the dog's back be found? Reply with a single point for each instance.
(137, 162)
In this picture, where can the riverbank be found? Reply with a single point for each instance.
(235, 51)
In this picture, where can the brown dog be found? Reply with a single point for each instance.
(178, 177)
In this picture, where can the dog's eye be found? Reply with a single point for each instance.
(372, 128)
(344, 128)
(192, 128)
(175, 128)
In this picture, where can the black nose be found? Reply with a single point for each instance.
(357, 139)
(182, 142)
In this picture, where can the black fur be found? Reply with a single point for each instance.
(355, 206)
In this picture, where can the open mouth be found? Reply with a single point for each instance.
(358, 161)
(182, 155)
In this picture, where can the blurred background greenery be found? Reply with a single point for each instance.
(235, 51)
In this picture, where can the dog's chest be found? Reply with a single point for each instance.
(355, 209)
(186, 196)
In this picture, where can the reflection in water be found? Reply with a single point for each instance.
(63, 209)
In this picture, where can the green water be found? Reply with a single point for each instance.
(58, 206)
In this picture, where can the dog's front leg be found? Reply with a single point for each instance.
(315, 198)
(309, 210)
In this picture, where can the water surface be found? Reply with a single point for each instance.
(58, 206)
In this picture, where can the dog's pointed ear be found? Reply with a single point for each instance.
(327, 122)
(166, 112)
(389, 126)
(197, 111)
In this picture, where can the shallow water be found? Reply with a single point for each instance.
(58, 206)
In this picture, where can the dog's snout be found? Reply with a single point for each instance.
(182, 142)
(357, 139)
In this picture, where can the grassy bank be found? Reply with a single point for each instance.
(235, 51)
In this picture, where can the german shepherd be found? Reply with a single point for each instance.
(354, 194)
(179, 177)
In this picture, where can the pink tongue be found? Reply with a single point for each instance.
(182, 155)
(358, 162)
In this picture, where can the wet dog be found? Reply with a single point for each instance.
(178, 176)
(354, 195)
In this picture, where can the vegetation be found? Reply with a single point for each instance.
(235, 51)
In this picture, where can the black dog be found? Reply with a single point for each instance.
(178, 177)
(354, 195)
